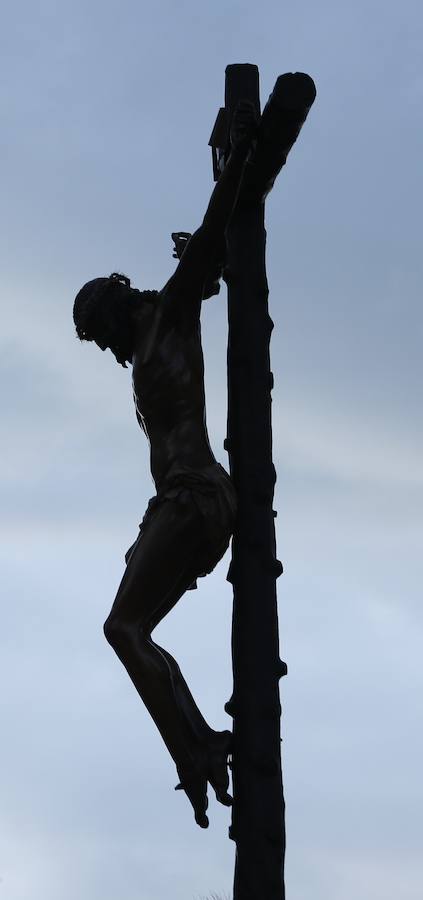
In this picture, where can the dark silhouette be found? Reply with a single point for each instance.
(258, 805)
(188, 524)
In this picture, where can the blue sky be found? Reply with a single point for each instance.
(106, 112)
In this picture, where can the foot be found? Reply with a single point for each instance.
(195, 786)
(219, 749)
(212, 766)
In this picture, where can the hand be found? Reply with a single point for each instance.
(180, 239)
(244, 126)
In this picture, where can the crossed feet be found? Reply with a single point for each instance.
(211, 766)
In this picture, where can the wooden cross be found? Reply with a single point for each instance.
(258, 822)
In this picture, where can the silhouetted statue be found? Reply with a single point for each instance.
(188, 524)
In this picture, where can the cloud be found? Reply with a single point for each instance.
(332, 444)
(106, 116)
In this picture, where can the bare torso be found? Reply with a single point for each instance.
(168, 382)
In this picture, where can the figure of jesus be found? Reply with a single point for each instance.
(188, 523)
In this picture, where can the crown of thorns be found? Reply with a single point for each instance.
(86, 302)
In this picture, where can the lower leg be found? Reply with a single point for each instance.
(199, 752)
(199, 728)
(151, 674)
(214, 745)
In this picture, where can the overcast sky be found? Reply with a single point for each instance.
(106, 110)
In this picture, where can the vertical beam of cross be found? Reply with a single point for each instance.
(258, 825)
(258, 811)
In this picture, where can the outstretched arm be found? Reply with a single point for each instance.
(198, 256)
(224, 196)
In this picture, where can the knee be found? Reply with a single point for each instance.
(115, 631)
(122, 634)
(109, 630)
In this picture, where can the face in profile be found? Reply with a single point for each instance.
(103, 314)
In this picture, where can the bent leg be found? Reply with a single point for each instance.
(161, 567)
(165, 560)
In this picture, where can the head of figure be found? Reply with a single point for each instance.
(104, 311)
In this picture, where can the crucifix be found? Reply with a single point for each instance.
(198, 506)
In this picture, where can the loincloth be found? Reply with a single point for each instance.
(211, 491)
